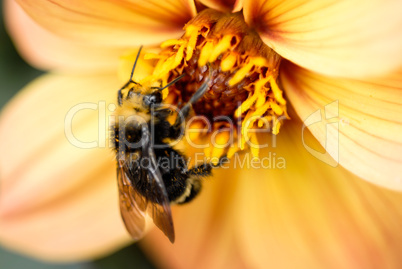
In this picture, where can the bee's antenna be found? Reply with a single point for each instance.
(135, 64)
(170, 83)
(119, 93)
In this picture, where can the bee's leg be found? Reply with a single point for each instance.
(196, 173)
(183, 114)
(120, 96)
(205, 169)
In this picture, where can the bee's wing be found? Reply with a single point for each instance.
(132, 204)
(160, 210)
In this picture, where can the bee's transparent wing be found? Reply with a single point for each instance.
(159, 210)
(132, 204)
(155, 202)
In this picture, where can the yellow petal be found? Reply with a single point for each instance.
(46, 50)
(224, 5)
(340, 38)
(114, 23)
(305, 214)
(206, 224)
(143, 69)
(58, 188)
(310, 215)
(359, 122)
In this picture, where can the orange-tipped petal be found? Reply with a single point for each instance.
(359, 122)
(45, 50)
(58, 197)
(340, 38)
(291, 212)
(224, 5)
(113, 23)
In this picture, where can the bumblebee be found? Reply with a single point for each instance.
(151, 174)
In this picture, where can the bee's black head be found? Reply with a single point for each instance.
(152, 99)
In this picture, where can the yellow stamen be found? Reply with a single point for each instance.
(245, 106)
(196, 129)
(228, 62)
(219, 147)
(192, 34)
(205, 52)
(263, 121)
(223, 45)
(277, 92)
(172, 42)
(258, 94)
(261, 110)
(276, 126)
(277, 109)
(241, 74)
(240, 69)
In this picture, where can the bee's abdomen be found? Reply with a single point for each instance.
(173, 168)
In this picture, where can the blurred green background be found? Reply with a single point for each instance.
(14, 75)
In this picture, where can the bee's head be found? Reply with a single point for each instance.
(154, 98)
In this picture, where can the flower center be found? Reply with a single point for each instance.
(241, 72)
